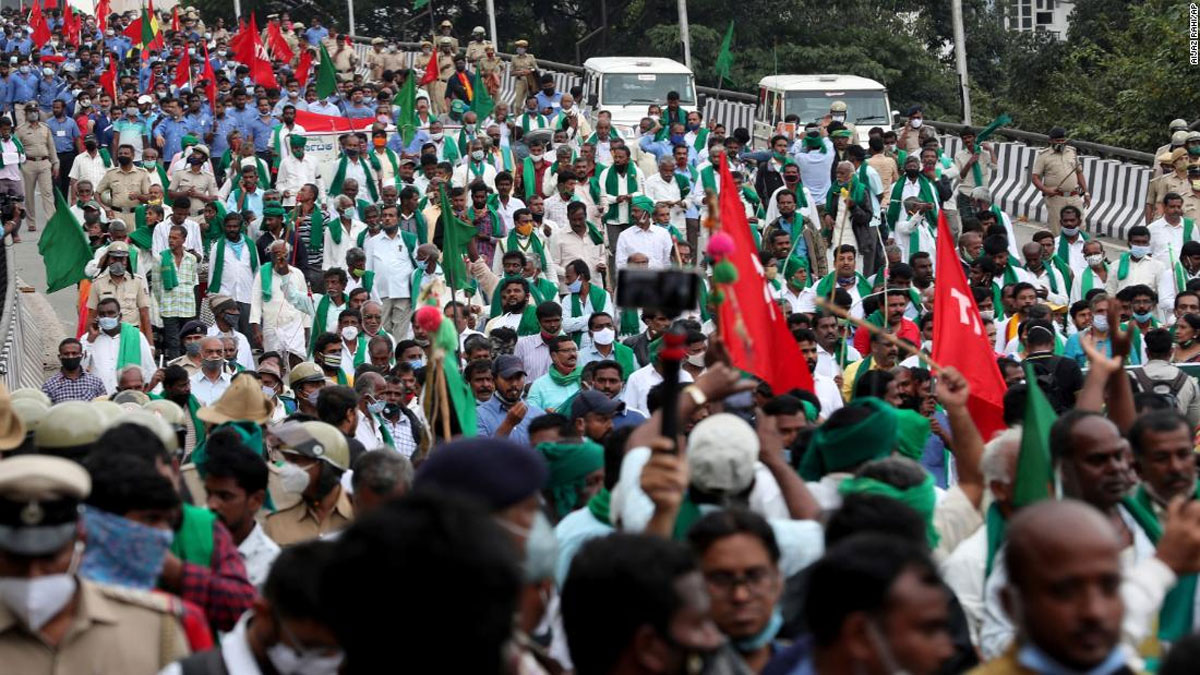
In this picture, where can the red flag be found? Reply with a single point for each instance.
(39, 31)
(102, 12)
(277, 45)
(754, 329)
(158, 42)
(314, 122)
(152, 82)
(243, 42)
(183, 72)
(431, 70)
(50, 4)
(260, 64)
(303, 68)
(959, 339)
(134, 31)
(209, 77)
(69, 26)
(175, 19)
(108, 80)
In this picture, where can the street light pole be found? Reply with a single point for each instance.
(491, 10)
(960, 58)
(685, 34)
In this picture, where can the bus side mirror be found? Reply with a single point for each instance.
(591, 100)
(895, 114)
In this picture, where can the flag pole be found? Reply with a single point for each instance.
(872, 328)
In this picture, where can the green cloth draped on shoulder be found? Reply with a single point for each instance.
(858, 193)
(194, 539)
(926, 194)
(921, 498)
(143, 234)
(321, 320)
(214, 228)
(599, 505)
(612, 187)
(1176, 616)
(170, 275)
(630, 323)
(339, 177)
(513, 243)
(218, 262)
(826, 285)
(316, 230)
(129, 346)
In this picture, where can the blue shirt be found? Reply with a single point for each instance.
(315, 34)
(933, 457)
(396, 143)
(359, 111)
(664, 147)
(254, 202)
(65, 133)
(261, 130)
(5, 92)
(242, 117)
(172, 131)
(103, 128)
(221, 126)
(627, 418)
(119, 45)
(48, 91)
(199, 123)
(490, 415)
(22, 45)
(24, 87)
(554, 101)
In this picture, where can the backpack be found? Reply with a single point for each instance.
(1168, 389)
(1044, 369)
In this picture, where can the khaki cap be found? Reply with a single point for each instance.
(31, 394)
(69, 424)
(39, 503)
(305, 372)
(118, 247)
(1177, 124)
(12, 426)
(169, 411)
(377, 41)
(109, 410)
(157, 425)
(130, 397)
(837, 106)
(1165, 158)
(317, 440)
(30, 411)
(521, 43)
(445, 24)
(1179, 137)
(243, 400)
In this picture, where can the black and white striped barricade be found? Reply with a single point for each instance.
(1117, 192)
(730, 114)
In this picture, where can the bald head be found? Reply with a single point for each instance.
(1040, 532)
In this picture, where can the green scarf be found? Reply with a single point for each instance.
(1123, 266)
(383, 430)
(914, 239)
(373, 157)
(927, 194)
(212, 230)
(858, 192)
(611, 187)
(218, 263)
(571, 378)
(701, 142)
(170, 276)
(1088, 280)
(538, 117)
(265, 274)
(1175, 617)
(630, 323)
(598, 506)
(996, 526)
(598, 299)
(193, 542)
(529, 179)
(1049, 275)
(322, 319)
(316, 231)
(864, 366)
(367, 280)
(921, 498)
(129, 349)
(339, 177)
(826, 285)
(20, 149)
(143, 233)
(1064, 246)
(336, 230)
(513, 243)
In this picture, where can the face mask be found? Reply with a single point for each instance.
(841, 117)
(1059, 147)
(293, 478)
(1196, 185)
(108, 322)
(1094, 260)
(988, 315)
(349, 333)
(333, 360)
(33, 117)
(915, 122)
(352, 152)
(376, 407)
(124, 160)
(1100, 323)
(524, 229)
(477, 155)
(417, 364)
(604, 336)
(537, 156)
(290, 661)
(36, 601)
(1141, 317)
(696, 359)
(269, 392)
(1139, 251)
(196, 161)
(71, 364)
(1070, 231)
(912, 173)
(676, 139)
(575, 286)
(24, 70)
(436, 137)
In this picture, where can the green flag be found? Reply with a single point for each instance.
(326, 75)
(724, 60)
(455, 236)
(482, 104)
(1035, 475)
(65, 238)
(418, 4)
(406, 102)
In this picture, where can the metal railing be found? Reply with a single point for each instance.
(20, 358)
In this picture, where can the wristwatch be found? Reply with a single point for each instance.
(697, 396)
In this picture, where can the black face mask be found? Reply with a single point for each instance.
(911, 173)
(71, 364)
(124, 160)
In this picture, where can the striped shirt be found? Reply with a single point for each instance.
(179, 302)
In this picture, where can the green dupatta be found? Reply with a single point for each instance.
(218, 263)
(827, 283)
(612, 187)
(321, 320)
(167, 270)
(339, 177)
(1176, 616)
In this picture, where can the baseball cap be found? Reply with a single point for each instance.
(722, 451)
(594, 402)
(317, 440)
(507, 365)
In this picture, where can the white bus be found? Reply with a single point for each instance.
(626, 86)
(809, 97)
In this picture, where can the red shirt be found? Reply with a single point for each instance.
(908, 331)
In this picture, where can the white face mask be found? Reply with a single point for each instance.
(604, 336)
(696, 359)
(477, 155)
(536, 156)
(436, 137)
(1094, 260)
(293, 478)
(1100, 323)
(35, 601)
(915, 122)
(349, 333)
(290, 661)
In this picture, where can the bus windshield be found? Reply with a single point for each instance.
(868, 107)
(634, 88)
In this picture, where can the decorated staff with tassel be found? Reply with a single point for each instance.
(975, 163)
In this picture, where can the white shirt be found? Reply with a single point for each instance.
(463, 176)
(575, 324)
(334, 254)
(1075, 254)
(294, 173)
(87, 167)
(1042, 280)
(654, 241)
(206, 391)
(258, 551)
(392, 263)
(353, 170)
(13, 159)
(623, 214)
(506, 210)
(638, 387)
(1166, 240)
(807, 297)
(236, 653)
(1146, 271)
(827, 393)
(100, 358)
(366, 432)
(290, 309)
(828, 366)
(193, 242)
(659, 190)
(237, 274)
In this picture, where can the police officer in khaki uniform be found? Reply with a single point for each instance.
(421, 60)
(1058, 174)
(1174, 179)
(124, 187)
(1191, 196)
(445, 65)
(321, 451)
(475, 48)
(1177, 140)
(375, 58)
(524, 72)
(489, 67)
(445, 30)
(392, 59)
(71, 625)
(40, 167)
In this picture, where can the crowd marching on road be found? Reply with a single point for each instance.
(350, 337)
